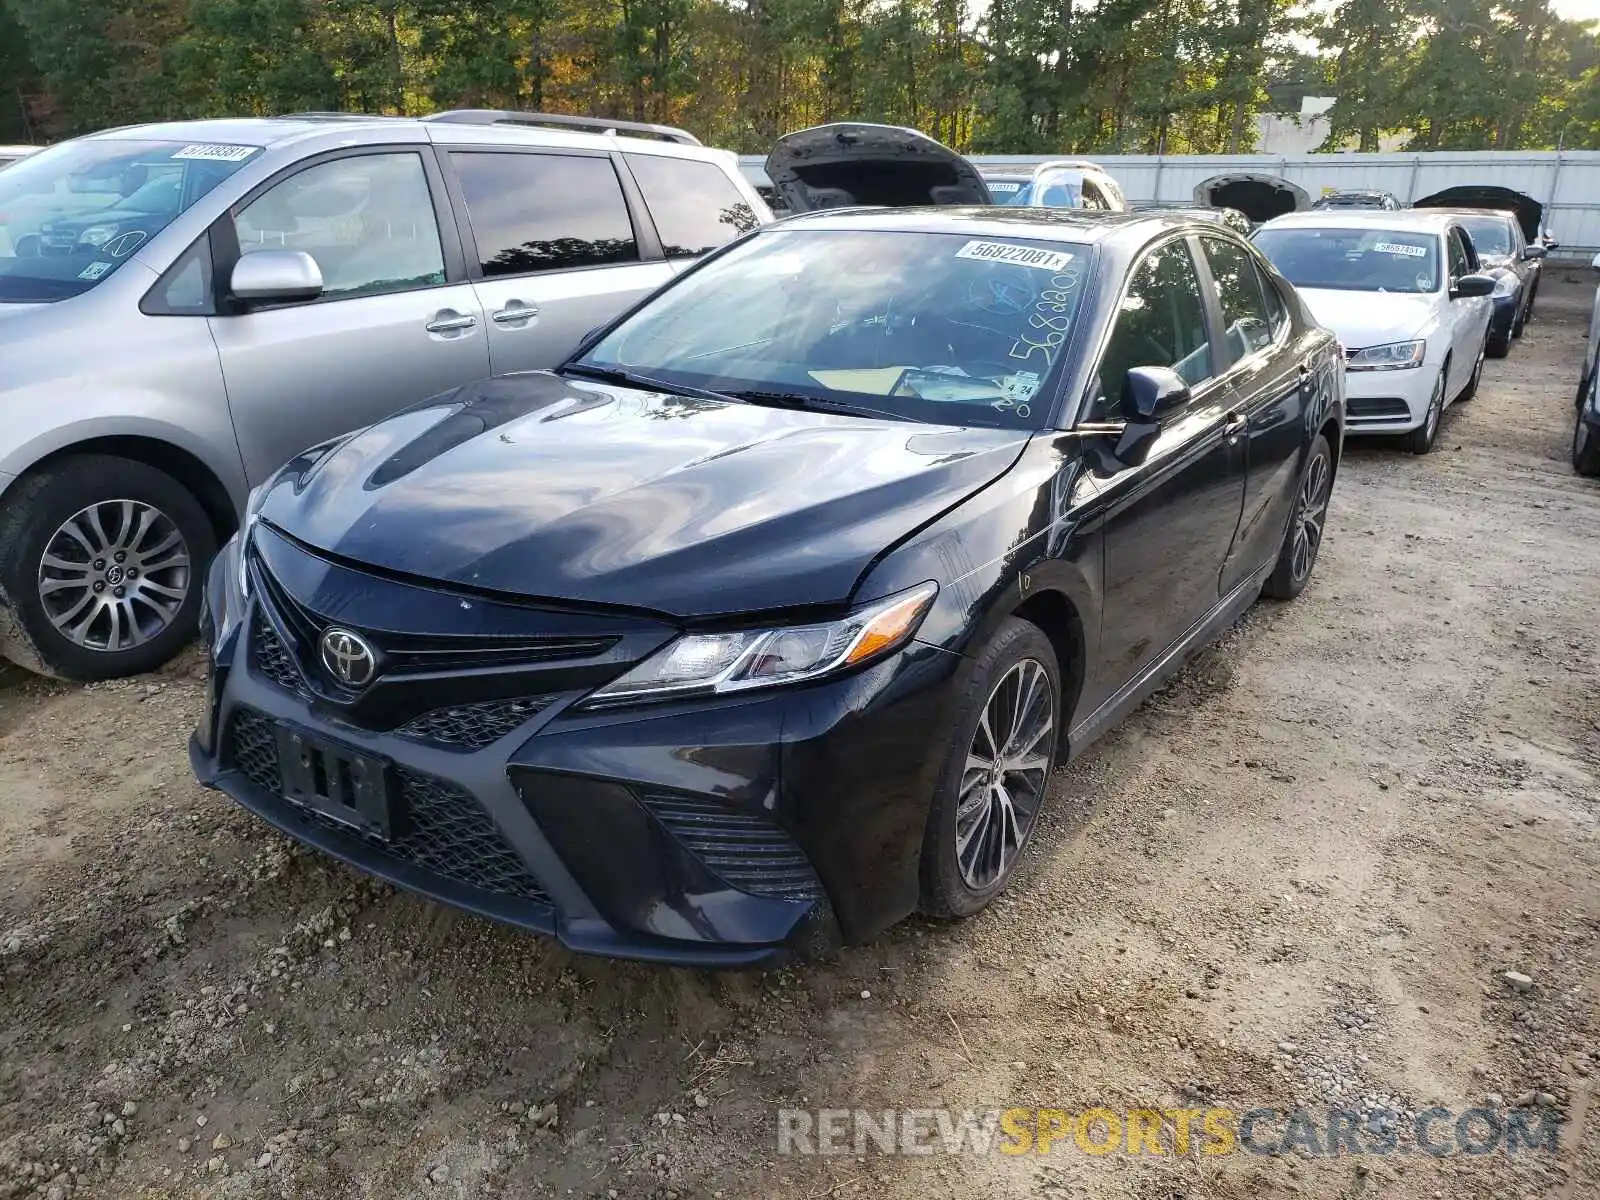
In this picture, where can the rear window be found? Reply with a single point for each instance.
(544, 212)
(694, 204)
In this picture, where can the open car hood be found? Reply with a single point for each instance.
(850, 163)
(1529, 212)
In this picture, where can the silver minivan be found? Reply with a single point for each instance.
(185, 306)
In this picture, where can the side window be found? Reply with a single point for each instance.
(1161, 323)
(694, 204)
(185, 289)
(1246, 323)
(367, 220)
(544, 212)
(1460, 261)
(1277, 310)
(1092, 199)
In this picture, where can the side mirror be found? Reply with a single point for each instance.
(1535, 252)
(1148, 393)
(276, 277)
(1595, 262)
(1472, 285)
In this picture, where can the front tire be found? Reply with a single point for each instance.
(1420, 440)
(1302, 541)
(997, 773)
(102, 560)
(1585, 449)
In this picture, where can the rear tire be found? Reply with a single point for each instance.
(1585, 449)
(102, 560)
(1498, 347)
(962, 870)
(1471, 390)
(1302, 541)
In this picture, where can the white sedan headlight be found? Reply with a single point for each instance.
(710, 664)
(97, 235)
(1393, 356)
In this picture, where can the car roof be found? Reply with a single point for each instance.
(273, 132)
(1404, 220)
(1462, 213)
(1049, 224)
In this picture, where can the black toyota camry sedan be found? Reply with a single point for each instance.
(765, 620)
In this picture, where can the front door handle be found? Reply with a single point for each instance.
(515, 312)
(1233, 425)
(448, 320)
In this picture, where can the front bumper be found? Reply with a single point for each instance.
(717, 833)
(1388, 401)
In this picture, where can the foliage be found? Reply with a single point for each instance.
(1002, 76)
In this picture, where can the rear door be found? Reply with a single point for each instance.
(692, 203)
(1267, 375)
(397, 321)
(552, 248)
(1469, 315)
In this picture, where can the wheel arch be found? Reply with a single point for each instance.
(1058, 618)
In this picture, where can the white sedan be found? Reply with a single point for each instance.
(1402, 292)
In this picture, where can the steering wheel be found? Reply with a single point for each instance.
(999, 293)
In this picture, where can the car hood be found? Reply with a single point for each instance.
(559, 489)
(99, 216)
(1529, 212)
(1361, 319)
(850, 163)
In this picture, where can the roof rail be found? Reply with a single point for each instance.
(331, 116)
(489, 116)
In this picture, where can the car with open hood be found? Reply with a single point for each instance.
(765, 618)
(1514, 264)
(1405, 295)
(851, 163)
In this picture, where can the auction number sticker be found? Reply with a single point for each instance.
(216, 152)
(1397, 248)
(1021, 256)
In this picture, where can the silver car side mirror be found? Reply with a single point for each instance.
(276, 276)
(1595, 262)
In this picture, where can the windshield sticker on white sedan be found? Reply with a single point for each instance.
(216, 152)
(94, 270)
(1022, 256)
(1397, 248)
(996, 185)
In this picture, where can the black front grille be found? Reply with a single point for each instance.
(273, 660)
(1376, 406)
(437, 826)
(473, 726)
(747, 851)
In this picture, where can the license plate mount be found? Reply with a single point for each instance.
(345, 785)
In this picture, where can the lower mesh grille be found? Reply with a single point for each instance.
(272, 658)
(1376, 406)
(472, 726)
(438, 826)
(747, 851)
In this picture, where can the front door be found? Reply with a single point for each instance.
(556, 251)
(1168, 524)
(389, 329)
(1469, 316)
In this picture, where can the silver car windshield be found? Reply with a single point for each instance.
(1354, 259)
(71, 215)
(948, 328)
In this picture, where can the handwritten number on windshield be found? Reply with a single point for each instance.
(1049, 321)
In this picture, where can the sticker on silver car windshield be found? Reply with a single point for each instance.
(1021, 256)
(94, 270)
(1397, 248)
(216, 152)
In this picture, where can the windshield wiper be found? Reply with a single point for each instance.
(631, 379)
(799, 400)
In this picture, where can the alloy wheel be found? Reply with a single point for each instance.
(1006, 775)
(1435, 407)
(1310, 512)
(114, 575)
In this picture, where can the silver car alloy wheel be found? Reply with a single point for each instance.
(1435, 407)
(114, 575)
(1006, 774)
(1310, 511)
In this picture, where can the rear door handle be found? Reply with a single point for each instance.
(1234, 421)
(515, 312)
(448, 320)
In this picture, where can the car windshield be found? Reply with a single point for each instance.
(1490, 235)
(948, 328)
(1353, 260)
(1049, 189)
(72, 214)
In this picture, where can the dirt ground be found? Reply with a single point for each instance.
(1297, 876)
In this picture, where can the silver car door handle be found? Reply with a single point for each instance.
(516, 311)
(449, 322)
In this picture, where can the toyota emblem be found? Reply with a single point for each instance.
(348, 658)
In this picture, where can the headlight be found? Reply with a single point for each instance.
(97, 235)
(252, 506)
(1505, 284)
(1395, 356)
(717, 663)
